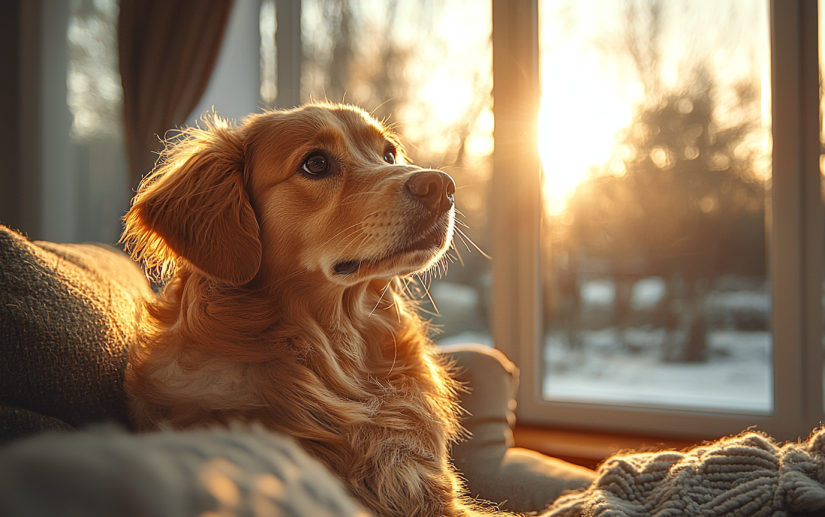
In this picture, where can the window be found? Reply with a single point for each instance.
(734, 336)
(656, 159)
(95, 100)
(74, 186)
(697, 344)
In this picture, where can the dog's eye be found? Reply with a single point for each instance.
(389, 157)
(316, 165)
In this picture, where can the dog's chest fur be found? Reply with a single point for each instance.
(370, 399)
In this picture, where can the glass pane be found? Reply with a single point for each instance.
(821, 13)
(655, 144)
(94, 98)
(269, 60)
(432, 78)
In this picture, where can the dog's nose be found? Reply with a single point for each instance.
(433, 189)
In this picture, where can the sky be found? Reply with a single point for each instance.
(589, 88)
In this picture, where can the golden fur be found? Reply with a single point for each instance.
(283, 303)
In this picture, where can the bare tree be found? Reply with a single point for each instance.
(682, 198)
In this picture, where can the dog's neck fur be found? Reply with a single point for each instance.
(348, 336)
(276, 312)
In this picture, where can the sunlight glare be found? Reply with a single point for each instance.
(448, 95)
(579, 117)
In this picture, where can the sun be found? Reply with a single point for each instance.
(585, 102)
(580, 115)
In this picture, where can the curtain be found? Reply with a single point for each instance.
(168, 50)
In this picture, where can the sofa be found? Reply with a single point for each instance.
(67, 317)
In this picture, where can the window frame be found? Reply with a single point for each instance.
(794, 230)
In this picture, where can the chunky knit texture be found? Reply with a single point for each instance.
(746, 475)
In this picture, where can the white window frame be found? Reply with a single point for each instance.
(795, 236)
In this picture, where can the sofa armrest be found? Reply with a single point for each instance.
(519, 479)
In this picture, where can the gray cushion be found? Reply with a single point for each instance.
(67, 315)
(108, 473)
(17, 422)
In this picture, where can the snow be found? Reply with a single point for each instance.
(455, 295)
(647, 293)
(737, 378)
(482, 338)
(598, 292)
(625, 366)
(739, 301)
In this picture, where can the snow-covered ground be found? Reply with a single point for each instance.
(603, 369)
(737, 377)
(482, 338)
(626, 366)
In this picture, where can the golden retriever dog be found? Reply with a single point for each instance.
(285, 242)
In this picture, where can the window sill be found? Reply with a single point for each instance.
(590, 448)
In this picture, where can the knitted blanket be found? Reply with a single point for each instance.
(746, 475)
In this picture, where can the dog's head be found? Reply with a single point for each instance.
(323, 188)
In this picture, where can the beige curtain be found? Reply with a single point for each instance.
(167, 49)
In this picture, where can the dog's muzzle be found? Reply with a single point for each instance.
(427, 227)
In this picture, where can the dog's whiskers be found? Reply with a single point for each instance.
(413, 297)
(465, 242)
(407, 282)
(427, 290)
(350, 239)
(355, 225)
(349, 242)
(458, 253)
(394, 355)
(361, 244)
(464, 236)
(453, 258)
(380, 298)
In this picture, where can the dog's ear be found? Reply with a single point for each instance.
(194, 207)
